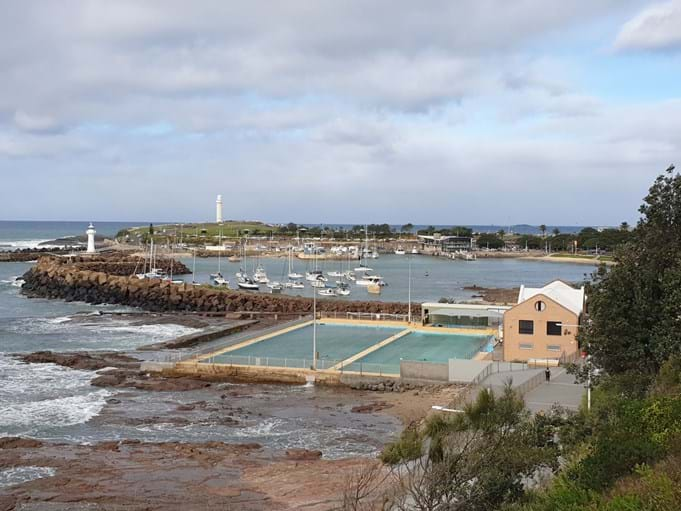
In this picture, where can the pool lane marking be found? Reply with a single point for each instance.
(248, 342)
(370, 349)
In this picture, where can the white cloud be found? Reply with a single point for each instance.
(333, 111)
(657, 27)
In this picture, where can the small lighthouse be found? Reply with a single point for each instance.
(91, 239)
(218, 209)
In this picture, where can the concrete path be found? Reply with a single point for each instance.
(539, 395)
(560, 390)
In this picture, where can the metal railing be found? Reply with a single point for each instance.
(323, 364)
(366, 316)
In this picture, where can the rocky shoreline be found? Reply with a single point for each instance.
(129, 474)
(54, 277)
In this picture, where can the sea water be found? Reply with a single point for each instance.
(56, 403)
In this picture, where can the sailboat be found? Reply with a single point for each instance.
(362, 265)
(316, 276)
(244, 280)
(368, 280)
(218, 275)
(294, 284)
(327, 292)
(260, 275)
(221, 281)
(153, 273)
(292, 275)
(275, 287)
(343, 288)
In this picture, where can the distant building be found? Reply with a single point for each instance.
(467, 315)
(543, 324)
(446, 244)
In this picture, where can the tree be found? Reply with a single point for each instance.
(490, 240)
(151, 229)
(475, 460)
(634, 306)
(542, 229)
(407, 227)
(459, 230)
(624, 226)
(501, 233)
(556, 231)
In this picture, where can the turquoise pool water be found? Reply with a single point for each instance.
(425, 346)
(334, 343)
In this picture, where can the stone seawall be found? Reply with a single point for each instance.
(27, 255)
(55, 277)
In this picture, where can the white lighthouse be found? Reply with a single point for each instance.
(218, 209)
(91, 239)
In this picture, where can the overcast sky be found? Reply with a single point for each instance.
(337, 111)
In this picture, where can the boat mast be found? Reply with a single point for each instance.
(194, 267)
(219, 249)
(314, 321)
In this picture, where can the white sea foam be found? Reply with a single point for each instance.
(24, 244)
(17, 281)
(18, 475)
(59, 320)
(267, 427)
(149, 332)
(34, 397)
(64, 411)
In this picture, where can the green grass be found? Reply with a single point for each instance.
(203, 231)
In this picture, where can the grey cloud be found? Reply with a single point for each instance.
(657, 27)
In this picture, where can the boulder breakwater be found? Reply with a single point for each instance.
(92, 281)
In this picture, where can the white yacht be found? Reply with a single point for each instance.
(318, 283)
(327, 292)
(363, 268)
(415, 251)
(343, 289)
(335, 274)
(260, 275)
(247, 282)
(368, 280)
(399, 250)
(275, 287)
(315, 275)
(295, 284)
(292, 274)
(221, 281)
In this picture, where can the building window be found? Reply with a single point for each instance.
(526, 326)
(539, 306)
(553, 347)
(554, 328)
(526, 346)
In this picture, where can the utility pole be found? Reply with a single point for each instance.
(314, 320)
(409, 293)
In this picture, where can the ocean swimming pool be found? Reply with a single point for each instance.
(335, 342)
(423, 346)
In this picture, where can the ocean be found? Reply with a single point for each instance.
(27, 234)
(56, 403)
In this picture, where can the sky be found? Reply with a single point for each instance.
(328, 111)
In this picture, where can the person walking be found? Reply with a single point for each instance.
(547, 373)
